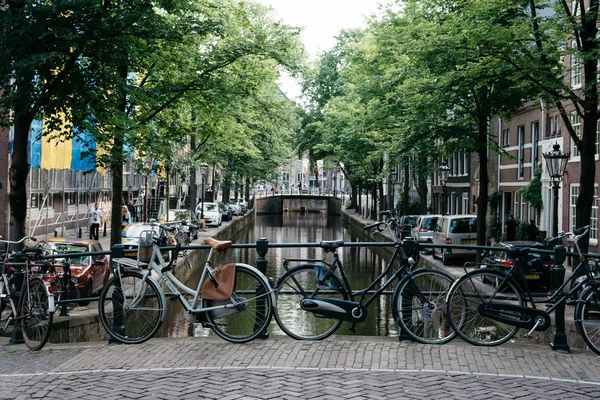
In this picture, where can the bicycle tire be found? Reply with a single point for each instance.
(35, 317)
(135, 323)
(424, 322)
(587, 315)
(475, 288)
(253, 312)
(295, 285)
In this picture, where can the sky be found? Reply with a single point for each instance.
(321, 20)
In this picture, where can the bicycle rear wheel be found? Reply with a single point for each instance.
(130, 307)
(35, 316)
(478, 288)
(587, 315)
(249, 309)
(419, 305)
(301, 283)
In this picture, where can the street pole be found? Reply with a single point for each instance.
(555, 209)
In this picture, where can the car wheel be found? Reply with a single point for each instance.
(86, 292)
(445, 258)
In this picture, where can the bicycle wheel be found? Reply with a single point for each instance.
(130, 308)
(479, 288)
(419, 305)
(64, 294)
(249, 310)
(300, 283)
(587, 315)
(35, 316)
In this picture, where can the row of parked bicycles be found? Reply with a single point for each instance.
(313, 297)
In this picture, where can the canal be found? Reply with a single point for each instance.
(362, 265)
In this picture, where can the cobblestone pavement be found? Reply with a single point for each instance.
(341, 367)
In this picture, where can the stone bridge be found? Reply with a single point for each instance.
(277, 204)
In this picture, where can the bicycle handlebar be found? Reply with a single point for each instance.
(33, 239)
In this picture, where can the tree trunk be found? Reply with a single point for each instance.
(19, 170)
(482, 199)
(116, 169)
(405, 197)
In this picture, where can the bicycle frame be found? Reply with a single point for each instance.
(177, 289)
(363, 293)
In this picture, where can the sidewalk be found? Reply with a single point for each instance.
(340, 367)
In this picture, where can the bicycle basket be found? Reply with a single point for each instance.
(145, 247)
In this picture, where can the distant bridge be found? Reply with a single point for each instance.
(277, 204)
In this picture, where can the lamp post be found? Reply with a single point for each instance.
(393, 181)
(203, 173)
(556, 161)
(444, 172)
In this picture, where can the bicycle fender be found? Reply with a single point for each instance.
(264, 279)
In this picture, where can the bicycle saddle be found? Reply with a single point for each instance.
(218, 244)
(331, 245)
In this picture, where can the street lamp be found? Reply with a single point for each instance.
(444, 172)
(556, 161)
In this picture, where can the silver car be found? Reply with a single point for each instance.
(424, 228)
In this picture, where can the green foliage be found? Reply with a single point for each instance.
(494, 198)
(522, 231)
(532, 193)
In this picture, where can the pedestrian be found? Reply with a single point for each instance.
(126, 216)
(131, 209)
(532, 231)
(95, 221)
(511, 228)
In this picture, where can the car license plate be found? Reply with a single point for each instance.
(469, 241)
(532, 277)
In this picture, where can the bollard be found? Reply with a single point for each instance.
(55, 233)
(79, 234)
(560, 337)
(104, 233)
(116, 252)
(262, 246)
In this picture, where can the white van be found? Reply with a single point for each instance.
(455, 229)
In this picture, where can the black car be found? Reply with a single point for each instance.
(537, 271)
(407, 222)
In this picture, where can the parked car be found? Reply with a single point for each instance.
(406, 223)
(537, 270)
(181, 214)
(455, 229)
(89, 272)
(130, 238)
(226, 212)
(423, 229)
(244, 204)
(235, 207)
(211, 214)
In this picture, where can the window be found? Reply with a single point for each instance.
(466, 162)
(573, 206)
(465, 203)
(575, 67)
(594, 216)
(576, 123)
(521, 154)
(535, 138)
(553, 127)
(505, 139)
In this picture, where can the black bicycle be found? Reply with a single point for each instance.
(315, 296)
(487, 307)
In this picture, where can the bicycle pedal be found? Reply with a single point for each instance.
(526, 336)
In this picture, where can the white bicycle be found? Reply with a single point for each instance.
(234, 300)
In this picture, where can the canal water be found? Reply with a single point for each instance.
(362, 264)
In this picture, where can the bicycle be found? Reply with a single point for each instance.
(26, 294)
(132, 306)
(315, 297)
(487, 307)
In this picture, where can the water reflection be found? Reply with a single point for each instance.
(362, 265)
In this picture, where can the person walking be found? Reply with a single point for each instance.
(131, 209)
(95, 221)
(532, 231)
(511, 228)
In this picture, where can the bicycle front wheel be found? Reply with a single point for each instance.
(247, 313)
(300, 283)
(66, 295)
(587, 315)
(130, 307)
(35, 315)
(479, 288)
(419, 305)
